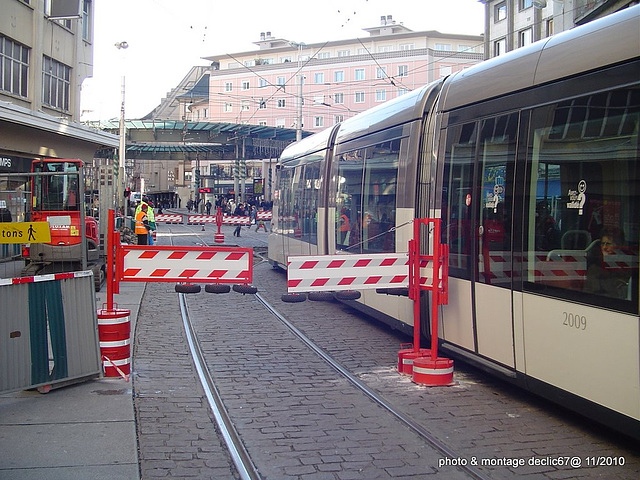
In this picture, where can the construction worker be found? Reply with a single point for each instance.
(142, 225)
(150, 216)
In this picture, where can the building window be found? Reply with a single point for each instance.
(86, 20)
(359, 97)
(381, 95)
(56, 83)
(343, 53)
(318, 121)
(262, 123)
(402, 91)
(526, 4)
(360, 74)
(318, 77)
(245, 106)
(281, 81)
(323, 55)
(338, 118)
(381, 72)
(500, 11)
(338, 76)
(385, 48)
(14, 67)
(403, 70)
(549, 27)
(228, 107)
(245, 85)
(406, 46)
(338, 98)
(526, 37)
(443, 47)
(500, 47)
(280, 123)
(263, 104)
(263, 82)
(285, 59)
(228, 87)
(281, 103)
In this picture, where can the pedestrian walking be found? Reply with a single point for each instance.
(239, 211)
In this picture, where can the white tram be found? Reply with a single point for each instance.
(531, 161)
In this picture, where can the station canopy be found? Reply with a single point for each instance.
(212, 139)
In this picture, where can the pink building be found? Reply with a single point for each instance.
(335, 79)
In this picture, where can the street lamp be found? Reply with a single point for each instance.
(121, 156)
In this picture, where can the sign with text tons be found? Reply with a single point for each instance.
(25, 232)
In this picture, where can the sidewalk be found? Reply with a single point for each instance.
(85, 431)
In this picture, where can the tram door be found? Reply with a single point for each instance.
(477, 208)
(493, 205)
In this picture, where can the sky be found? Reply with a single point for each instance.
(167, 37)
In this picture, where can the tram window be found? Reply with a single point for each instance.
(310, 198)
(457, 195)
(583, 195)
(300, 189)
(366, 202)
(497, 149)
(286, 216)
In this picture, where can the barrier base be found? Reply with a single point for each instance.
(433, 373)
(114, 332)
(218, 238)
(406, 358)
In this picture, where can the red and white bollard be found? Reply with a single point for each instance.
(219, 236)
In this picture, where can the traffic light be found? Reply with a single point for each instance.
(197, 178)
(127, 192)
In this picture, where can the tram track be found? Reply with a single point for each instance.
(236, 336)
(242, 457)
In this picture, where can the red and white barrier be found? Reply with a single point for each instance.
(168, 218)
(347, 272)
(268, 215)
(45, 278)
(139, 263)
(236, 220)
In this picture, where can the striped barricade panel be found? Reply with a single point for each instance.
(264, 215)
(347, 272)
(168, 218)
(236, 220)
(139, 263)
(200, 219)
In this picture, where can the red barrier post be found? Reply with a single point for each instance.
(110, 258)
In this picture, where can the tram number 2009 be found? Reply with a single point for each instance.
(572, 320)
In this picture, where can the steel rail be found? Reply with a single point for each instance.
(241, 459)
(417, 428)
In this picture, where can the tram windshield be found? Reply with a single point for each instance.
(58, 190)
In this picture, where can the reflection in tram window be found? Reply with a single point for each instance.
(457, 198)
(366, 199)
(584, 181)
(497, 150)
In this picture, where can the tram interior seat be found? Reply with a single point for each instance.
(575, 239)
